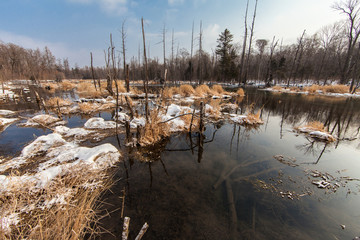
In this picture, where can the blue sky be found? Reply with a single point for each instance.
(74, 28)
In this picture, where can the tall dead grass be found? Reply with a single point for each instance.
(55, 101)
(186, 90)
(217, 89)
(87, 89)
(67, 85)
(240, 92)
(66, 209)
(328, 88)
(315, 126)
(88, 108)
(121, 86)
(203, 91)
(154, 131)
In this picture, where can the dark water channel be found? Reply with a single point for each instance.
(178, 192)
(233, 187)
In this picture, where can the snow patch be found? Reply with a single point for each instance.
(99, 123)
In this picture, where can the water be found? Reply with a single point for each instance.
(179, 194)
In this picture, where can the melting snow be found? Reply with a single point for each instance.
(99, 123)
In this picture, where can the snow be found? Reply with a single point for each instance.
(99, 123)
(237, 118)
(7, 121)
(6, 112)
(43, 119)
(317, 134)
(122, 117)
(60, 158)
(175, 125)
(6, 222)
(77, 133)
(137, 122)
(42, 144)
(173, 110)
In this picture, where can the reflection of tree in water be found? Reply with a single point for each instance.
(341, 116)
(314, 148)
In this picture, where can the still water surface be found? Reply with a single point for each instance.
(179, 193)
(233, 187)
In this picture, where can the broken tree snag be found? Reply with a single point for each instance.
(201, 124)
(129, 106)
(191, 123)
(127, 79)
(125, 232)
(58, 110)
(142, 231)
(232, 209)
(128, 133)
(92, 71)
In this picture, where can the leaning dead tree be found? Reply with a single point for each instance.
(296, 59)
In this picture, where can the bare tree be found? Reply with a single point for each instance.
(146, 80)
(200, 55)
(294, 64)
(250, 42)
(351, 9)
(260, 44)
(123, 38)
(244, 46)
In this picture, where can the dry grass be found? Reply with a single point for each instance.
(277, 88)
(71, 217)
(167, 93)
(214, 112)
(66, 85)
(253, 118)
(240, 92)
(203, 91)
(55, 101)
(121, 86)
(87, 89)
(186, 90)
(217, 89)
(53, 86)
(313, 88)
(136, 90)
(315, 126)
(154, 131)
(187, 121)
(295, 89)
(336, 89)
(88, 108)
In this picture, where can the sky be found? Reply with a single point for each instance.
(74, 28)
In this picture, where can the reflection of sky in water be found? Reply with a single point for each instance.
(185, 196)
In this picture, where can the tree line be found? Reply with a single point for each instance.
(333, 53)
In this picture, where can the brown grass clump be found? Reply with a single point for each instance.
(295, 89)
(315, 126)
(203, 91)
(217, 89)
(240, 92)
(66, 85)
(136, 90)
(71, 215)
(88, 108)
(121, 86)
(51, 86)
(87, 89)
(154, 131)
(186, 90)
(55, 101)
(277, 88)
(215, 110)
(167, 93)
(253, 118)
(313, 88)
(336, 89)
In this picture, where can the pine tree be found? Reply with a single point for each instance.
(227, 55)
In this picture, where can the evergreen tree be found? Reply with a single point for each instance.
(227, 54)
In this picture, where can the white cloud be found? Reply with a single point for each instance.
(210, 35)
(118, 7)
(58, 49)
(175, 2)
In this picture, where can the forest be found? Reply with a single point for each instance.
(329, 55)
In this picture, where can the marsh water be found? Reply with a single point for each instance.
(228, 185)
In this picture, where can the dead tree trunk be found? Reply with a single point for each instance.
(250, 42)
(92, 71)
(295, 58)
(146, 80)
(244, 47)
